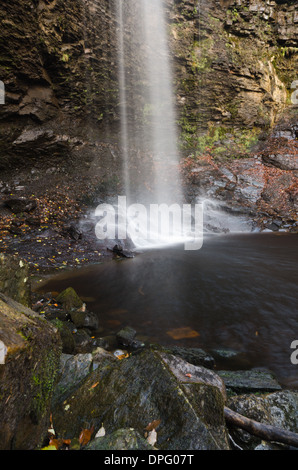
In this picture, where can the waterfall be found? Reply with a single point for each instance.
(148, 124)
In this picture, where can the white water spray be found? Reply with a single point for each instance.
(149, 138)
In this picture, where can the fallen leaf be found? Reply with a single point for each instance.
(152, 437)
(179, 333)
(101, 432)
(122, 356)
(85, 436)
(94, 385)
(56, 442)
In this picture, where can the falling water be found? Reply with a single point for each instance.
(148, 122)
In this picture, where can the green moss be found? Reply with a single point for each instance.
(220, 141)
(42, 383)
(201, 55)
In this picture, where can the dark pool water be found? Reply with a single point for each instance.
(238, 292)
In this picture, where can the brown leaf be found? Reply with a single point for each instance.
(179, 333)
(56, 443)
(85, 436)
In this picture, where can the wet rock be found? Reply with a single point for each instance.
(122, 252)
(107, 342)
(273, 227)
(18, 205)
(74, 232)
(69, 299)
(185, 371)
(279, 409)
(99, 354)
(247, 381)
(252, 407)
(195, 356)
(84, 319)
(283, 407)
(284, 162)
(83, 341)
(73, 369)
(135, 391)
(126, 338)
(66, 335)
(122, 439)
(28, 373)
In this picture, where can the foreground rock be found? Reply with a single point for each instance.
(123, 439)
(185, 401)
(28, 369)
(279, 409)
(75, 323)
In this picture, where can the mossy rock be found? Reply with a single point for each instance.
(15, 279)
(69, 299)
(122, 439)
(149, 385)
(28, 373)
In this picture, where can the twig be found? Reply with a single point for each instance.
(264, 431)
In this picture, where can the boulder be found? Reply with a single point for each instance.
(149, 385)
(28, 371)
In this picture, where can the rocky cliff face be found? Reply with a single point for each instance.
(234, 63)
(59, 69)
